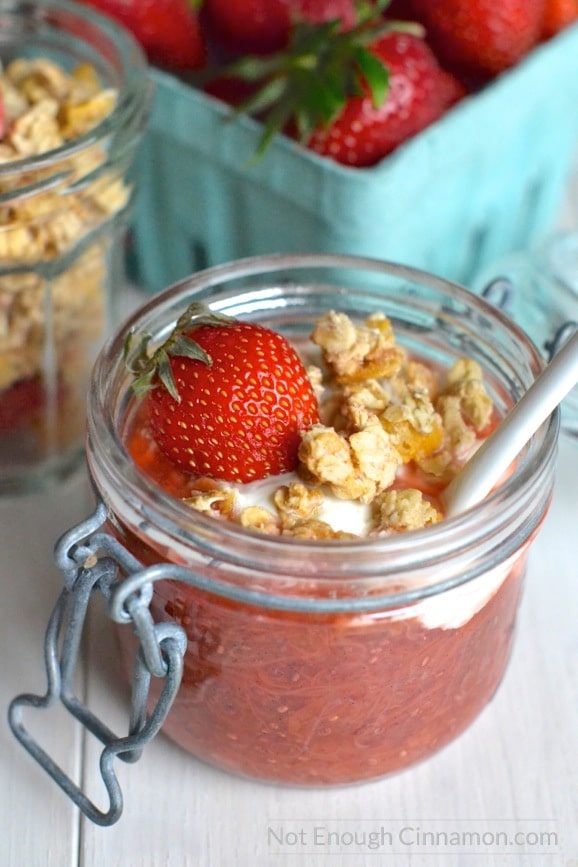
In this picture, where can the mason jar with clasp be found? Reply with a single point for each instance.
(297, 661)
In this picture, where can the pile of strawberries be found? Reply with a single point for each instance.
(351, 79)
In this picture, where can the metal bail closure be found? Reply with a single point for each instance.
(93, 561)
(500, 292)
(562, 334)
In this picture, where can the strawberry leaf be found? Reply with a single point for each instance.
(165, 374)
(374, 73)
(143, 383)
(265, 98)
(151, 369)
(186, 348)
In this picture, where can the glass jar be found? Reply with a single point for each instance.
(75, 98)
(320, 663)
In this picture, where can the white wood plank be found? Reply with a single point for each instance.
(513, 771)
(38, 825)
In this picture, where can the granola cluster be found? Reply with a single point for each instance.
(386, 418)
(53, 249)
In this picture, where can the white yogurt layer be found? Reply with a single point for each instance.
(454, 608)
(347, 516)
(448, 610)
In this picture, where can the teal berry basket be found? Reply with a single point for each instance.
(485, 180)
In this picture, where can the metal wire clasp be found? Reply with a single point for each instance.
(501, 291)
(93, 561)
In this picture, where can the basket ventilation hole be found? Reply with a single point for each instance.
(530, 212)
(199, 256)
(475, 257)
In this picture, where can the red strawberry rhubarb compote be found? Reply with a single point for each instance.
(322, 657)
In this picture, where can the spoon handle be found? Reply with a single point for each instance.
(487, 466)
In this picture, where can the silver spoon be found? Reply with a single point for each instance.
(486, 467)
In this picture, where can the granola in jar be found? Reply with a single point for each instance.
(64, 199)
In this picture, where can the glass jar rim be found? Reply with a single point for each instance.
(110, 464)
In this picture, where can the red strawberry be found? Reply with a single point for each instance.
(419, 92)
(168, 30)
(226, 399)
(351, 95)
(233, 91)
(483, 37)
(21, 403)
(400, 9)
(264, 26)
(558, 15)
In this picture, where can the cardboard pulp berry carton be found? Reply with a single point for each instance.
(486, 179)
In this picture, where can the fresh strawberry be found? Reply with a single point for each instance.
(168, 30)
(264, 26)
(400, 9)
(351, 95)
(21, 403)
(226, 399)
(232, 90)
(558, 15)
(419, 92)
(481, 37)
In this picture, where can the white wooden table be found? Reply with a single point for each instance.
(507, 789)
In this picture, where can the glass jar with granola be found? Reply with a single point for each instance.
(73, 101)
(338, 627)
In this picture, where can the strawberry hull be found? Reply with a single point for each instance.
(486, 179)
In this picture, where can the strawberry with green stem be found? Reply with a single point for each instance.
(353, 95)
(418, 93)
(226, 398)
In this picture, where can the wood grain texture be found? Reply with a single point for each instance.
(38, 825)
